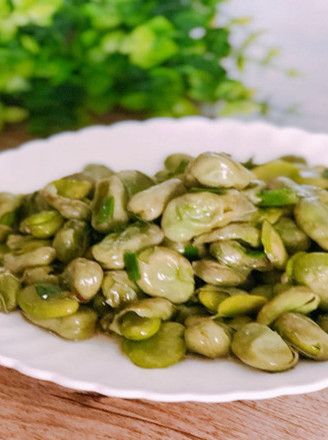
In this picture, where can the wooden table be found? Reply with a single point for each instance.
(36, 410)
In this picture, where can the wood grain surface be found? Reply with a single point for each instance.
(38, 410)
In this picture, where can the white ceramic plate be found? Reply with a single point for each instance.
(97, 364)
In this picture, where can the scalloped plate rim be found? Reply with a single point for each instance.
(49, 376)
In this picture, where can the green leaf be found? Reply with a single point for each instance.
(150, 44)
(102, 15)
(190, 19)
(64, 61)
(112, 41)
(106, 211)
(218, 42)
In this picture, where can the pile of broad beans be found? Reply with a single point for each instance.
(209, 256)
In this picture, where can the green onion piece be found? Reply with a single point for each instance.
(106, 211)
(191, 252)
(278, 197)
(181, 168)
(131, 265)
(45, 290)
(249, 164)
(72, 189)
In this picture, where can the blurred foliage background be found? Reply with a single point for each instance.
(64, 61)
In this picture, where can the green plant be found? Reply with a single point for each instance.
(64, 61)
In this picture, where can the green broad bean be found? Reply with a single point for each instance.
(40, 274)
(165, 348)
(311, 270)
(9, 205)
(136, 328)
(208, 338)
(211, 296)
(276, 168)
(32, 204)
(150, 203)
(238, 322)
(110, 251)
(260, 347)
(218, 274)
(265, 290)
(273, 246)
(72, 240)
(298, 299)
(72, 189)
(177, 162)
(244, 232)
(9, 288)
(184, 312)
(304, 335)
(165, 273)
(68, 202)
(78, 326)
(311, 216)
(193, 214)
(294, 159)
(288, 276)
(294, 239)
(17, 261)
(97, 171)
(83, 278)
(134, 181)
(237, 305)
(175, 166)
(118, 289)
(25, 243)
(46, 301)
(322, 321)
(233, 254)
(43, 224)
(314, 176)
(217, 171)
(109, 205)
(148, 308)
